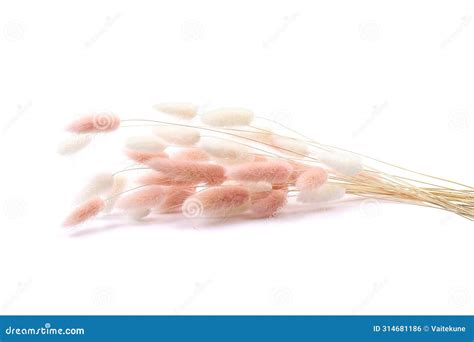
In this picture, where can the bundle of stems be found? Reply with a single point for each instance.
(228, 161)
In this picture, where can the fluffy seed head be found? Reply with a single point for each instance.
(143, 198)
(218, 201)
(266, 171)
(99, 184)
(95, 123)
(158, 178)
(325, 193)
(143, 156)
(253, 187)
(74, 143)
(260, 158)
(312, 178)
(227, 117)
(190, 171)
(175, 197)
(227, 151)
(346, 163)
(84, 211)
(194, 154)
(181, 110)
(145, 143)
(290, 146)
(298, 170)
(270, 204)
(120, 182)
(139, 214)
(178, 135)
(257, 134)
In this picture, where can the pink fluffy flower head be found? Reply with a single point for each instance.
(149, 196)
(275, 172)
(84, 211)
(95, 123)
(191, 171)
(220, 201)
(269, 205)
(144, 156)
(175, 197)
(312, 178)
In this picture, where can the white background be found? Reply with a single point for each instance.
(393, 80)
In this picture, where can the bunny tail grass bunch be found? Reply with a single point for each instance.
(228, 162)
